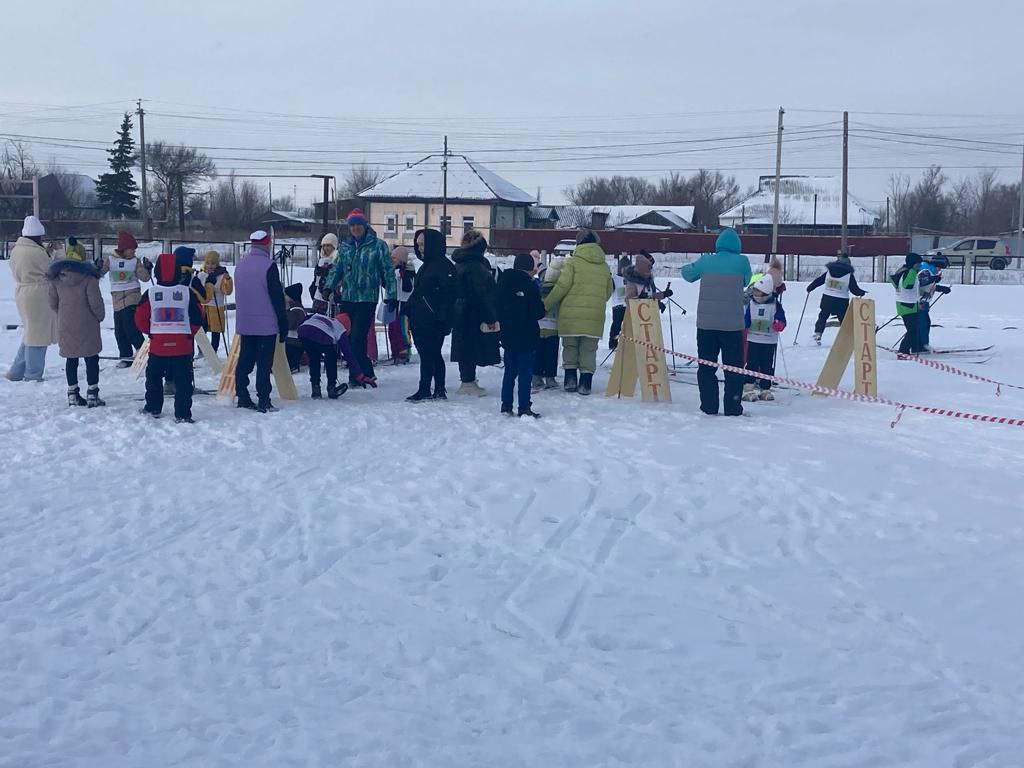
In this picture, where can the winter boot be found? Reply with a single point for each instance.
(148, 412)
(92, 397)
(247, 403)
(506, 409)
(550, 382)
(74, 397)
(570, 384)
(441, 394)
(471, 388)
(315, 392)
(766, 394)
(419, 396)
(749, 393)
(265, 406)
(586, 381)
(537, 384)
(184, 420)
(817, 339)
(527, 412)
(124, 364)
(334, 391)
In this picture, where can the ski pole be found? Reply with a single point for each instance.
(676, 304)
(894, 317)
(671, 334)
(782, 353)
(797, 335)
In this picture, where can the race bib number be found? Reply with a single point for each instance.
(833, 284)
(759, 325)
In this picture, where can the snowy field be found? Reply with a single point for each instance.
(371, 583)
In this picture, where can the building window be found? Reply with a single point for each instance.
(390, 224)
(410, 222)
(468, 222)
(445, 224)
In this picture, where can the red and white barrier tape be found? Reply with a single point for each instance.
(950, 369)
(840, 393)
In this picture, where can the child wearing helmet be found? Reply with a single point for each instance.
(931, 274)
(764, 319)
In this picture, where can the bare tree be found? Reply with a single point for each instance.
(614, 190)
(899, 194)
(284, 203)
(712, 194)
(16, 162)
(173, 165)
(237, 204)
(359, 178)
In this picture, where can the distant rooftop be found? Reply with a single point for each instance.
(467, 180)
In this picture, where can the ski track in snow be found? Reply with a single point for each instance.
(369, 583)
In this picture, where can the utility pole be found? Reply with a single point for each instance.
(270, 191)
(815, 219)
(147, 222)
(326, 180)
(181, 210)
(846, 175)
(1020, 211)
(887, 227)
(778, 174)
(444, 194)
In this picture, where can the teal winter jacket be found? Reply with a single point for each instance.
(723, 275)
(362, 268)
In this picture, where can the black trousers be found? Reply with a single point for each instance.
(618, 315)
(911, 343)
(92, 371)
(255, 352)
(830, 305)
(322, 353)
(125, 332)
(360, 315)
(293, 351)
(215, 340)
(546, 363)
(467, 372)
(730, 345)
(761, 359)
(179, 370)
(432, 365)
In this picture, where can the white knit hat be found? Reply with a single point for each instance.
(329, 239)
(32, 227)
(765, 285)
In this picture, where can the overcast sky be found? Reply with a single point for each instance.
(646, 86)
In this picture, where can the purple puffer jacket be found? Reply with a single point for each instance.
(328, 332)
(255, 314)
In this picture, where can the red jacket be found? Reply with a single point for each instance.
(171, 344)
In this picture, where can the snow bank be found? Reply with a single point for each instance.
(370, 583)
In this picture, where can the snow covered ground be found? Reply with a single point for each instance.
(370, 583)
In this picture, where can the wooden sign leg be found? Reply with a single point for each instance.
(209, 355)
(141, 358)
(622, 382)
(226, 388)
(283, 375)
(839, 356)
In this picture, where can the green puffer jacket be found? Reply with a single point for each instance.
(581, 293)
(362, 268)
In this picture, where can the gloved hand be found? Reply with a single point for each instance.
(282, 337)
(211, 278)
(781, 289)
(809, 289)
(362, 378)
(147, 264)
(392, 305)
(943, 288)
(662, 307)
(667, 293)
(778, 326)
(221, 270)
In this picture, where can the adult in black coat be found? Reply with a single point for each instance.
(519, 309)
(430, 311)
(475, 326)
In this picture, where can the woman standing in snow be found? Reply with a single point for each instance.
(581, 293)
(74, 294)
(29, 263)
(430, 312)
(474, 334)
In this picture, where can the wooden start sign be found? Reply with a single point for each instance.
(856, 340)
(636, 362)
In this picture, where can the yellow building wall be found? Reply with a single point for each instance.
(379, 213)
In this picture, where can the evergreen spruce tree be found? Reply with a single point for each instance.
(117, 190)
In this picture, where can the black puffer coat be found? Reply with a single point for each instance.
(476, 304)
(433, 296)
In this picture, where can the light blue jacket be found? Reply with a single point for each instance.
(723, 275)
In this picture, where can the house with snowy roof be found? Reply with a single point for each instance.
(807, 204)
(655, 218)
(477, 198)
